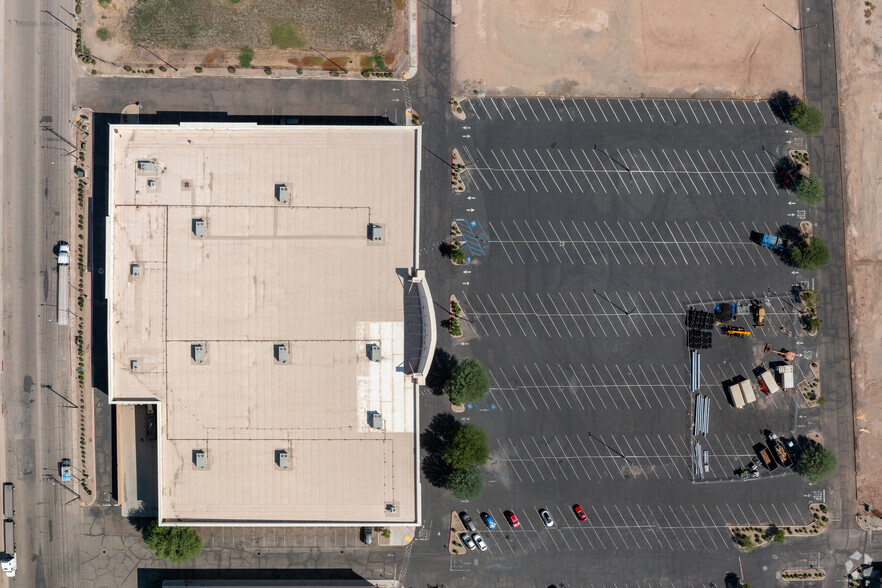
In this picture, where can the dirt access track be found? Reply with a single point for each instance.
(183, 34)
(627, 48)
(859, 56)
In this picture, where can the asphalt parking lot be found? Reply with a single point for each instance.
(591, 227)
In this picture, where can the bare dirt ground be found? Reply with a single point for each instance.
(658, 48)
(859, 55)
(211, 34)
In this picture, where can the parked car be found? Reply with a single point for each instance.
(65, 470)
(580, 513)
(512, 519)
(488, 520)
(479, 541)
(546, 517)
(367, 535)
(467, 521)
(467, 540)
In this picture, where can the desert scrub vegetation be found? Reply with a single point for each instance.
(325, 24)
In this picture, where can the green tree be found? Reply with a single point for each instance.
(811, 254)
(808, 119)
(467, 447)
(245, 56)
(468, 382)
(173, 544)
(465, 484)
(103, 34)
(780, 535)
(816, 463)
(810, 190)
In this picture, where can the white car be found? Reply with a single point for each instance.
(479, 541)
(467, 541)
(546, 517)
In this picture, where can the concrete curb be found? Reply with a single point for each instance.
(413, 52)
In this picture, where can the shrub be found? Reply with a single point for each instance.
(246, 55)
(808, 119)
(467, 448)
(103, 34)
(268, 71)
(780, 535)
(810, 190)
(457, 254)
(816, 463)
(465, 484)
(231, 69)
(198, 69)
(173, 544)
(811, 254)
(468, 382)
(746, 542)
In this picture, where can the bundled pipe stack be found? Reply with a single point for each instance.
(696, 370)
(702, 414)
(697, 459)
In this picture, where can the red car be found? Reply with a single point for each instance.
(580, 513)
(512, 519)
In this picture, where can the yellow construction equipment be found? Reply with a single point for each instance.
(735, 332)
(759, 317)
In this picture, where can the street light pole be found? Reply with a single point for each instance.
(787, 23)
(343, 69)
(432, 8)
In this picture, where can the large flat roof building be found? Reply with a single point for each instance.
(264, 292)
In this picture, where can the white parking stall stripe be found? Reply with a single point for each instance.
(476, 320)
(472, 166)
(581, 169)
(714, 109)
(787, 510)
(629, 241)
(471, 104)
(635, 110)
(610, 243)
(545, 241)
(523, 114)
(500, 314)
(487, 167)
(570, 239)
(551, 157)
(746, 174)
(534, 387)
(640, 172)
(751, 248)
(513, 170)
(650, 170)
(750, 114)
(538, 246)
(528, 170)
(516, 249)
(539, 456)
(660, 115)
(733, 172)
(570, 169)
(493, 102)
(646, 108)
(692, 110)
(582, 239)
(640, 241)
(538, 316)
(551, 457)
(686, 171)
(612, 110)
(563, 102)
(762, 173)
(546, 168)
(496, 239)
(626, 526)
(662, 169)
(726, 110)
(569, 334)
(599, 324)
(674, 240)
(735, 106)
(606, 527)
(576, 106)
(599, 249)
(709, 172)
(591, 167)
(760, 111)
(502, 167)
(689, 241)
(703, 111)
(621, 161)
(677, 174)
(705, 237)
(543, 108)
(698, 172)
(527, 100)
(519, 460)
(547, 315)
(548, 533)
(489, 116)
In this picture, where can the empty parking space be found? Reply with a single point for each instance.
(617, 111)
(582, 387)
(701, 527)
(640, 170)
(646, 243)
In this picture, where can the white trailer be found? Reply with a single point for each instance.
(767, 380)
(735, 394)
(9, 563)
(747, 391)
(61, 303)
(785, 372)
(8, 506)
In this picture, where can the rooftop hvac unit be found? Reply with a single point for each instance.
(283, 193)
(200, 459)
(374, 353)
(284, 460)
(375, 420)
(135, 269)
(198, 353)
(147, 165)
(375, 232)
(134, 364)
(282, 353)
(199, 227)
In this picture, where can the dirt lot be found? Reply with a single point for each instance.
(626, 47)
(212, 33)
(859, 47)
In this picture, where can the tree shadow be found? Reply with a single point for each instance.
(140, 522)
(792, 234)
(433, 440)
(732, 580)
(781, 103)
(442, 364)
(786, 174)
(446, 249)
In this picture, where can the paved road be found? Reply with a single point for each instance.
(36, 208)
